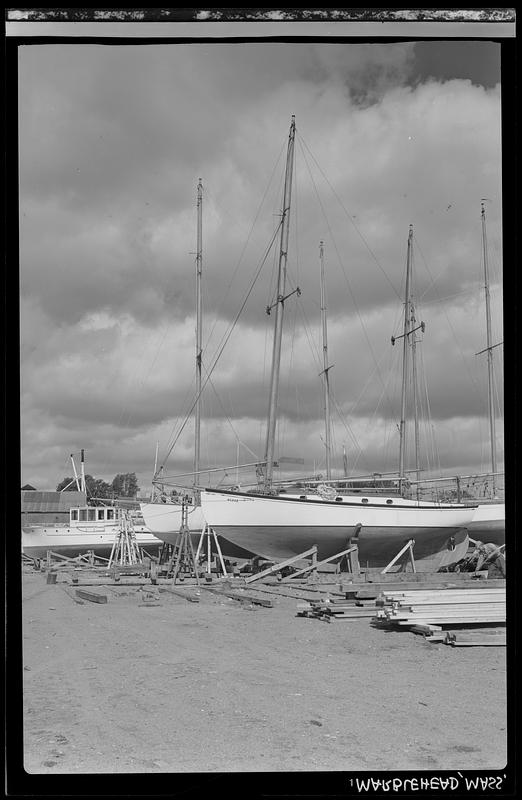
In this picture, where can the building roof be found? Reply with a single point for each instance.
(34, 501)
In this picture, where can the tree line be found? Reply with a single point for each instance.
(124, 484)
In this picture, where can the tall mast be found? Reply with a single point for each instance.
(402, 427)
(199, 315)
(489, 350)
(410, 328)
(326, 367)
(414, 382)
(279, 306)
(82, 467)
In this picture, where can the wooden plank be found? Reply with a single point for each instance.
(445, 594)
(426, 629)
(408, 546)
(445, 611)
(448, 621)
(93, 597)
(402, 586)
(274, 591)
(289, 578)
(312, 551)
(130, 569)
(481, 633)
(361, 613)
(472, 633)
(241, 596)
(468, 608)
(490, 641)
(107, 582)
(191, 598)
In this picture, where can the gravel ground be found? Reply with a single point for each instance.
(218, 687)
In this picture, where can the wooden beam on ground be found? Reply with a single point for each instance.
(93, 597)
(311, 552)
(241, 596)
(353, 613)
(289, 578)
(107, 582)
(192, 598)
(476, 638)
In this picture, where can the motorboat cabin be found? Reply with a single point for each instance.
(102, 514)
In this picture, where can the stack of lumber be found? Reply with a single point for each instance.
(335, 608)
(443, 607)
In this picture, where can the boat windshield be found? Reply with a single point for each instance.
(92, 514)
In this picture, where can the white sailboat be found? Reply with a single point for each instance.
(278, 526)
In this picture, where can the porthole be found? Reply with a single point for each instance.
(302, 497)
(364, 500)
(338, 499)
(389, 502)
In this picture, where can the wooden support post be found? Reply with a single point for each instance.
(353, 556)
(409, 544)
(412, 560)
(220, 554)
(200, 543)
(314, 564)
(353, 559)
(183, 560)
(281, 564)
(210, 534)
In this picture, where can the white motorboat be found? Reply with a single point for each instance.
(89, 528)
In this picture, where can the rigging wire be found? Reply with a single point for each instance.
(368, 342)
(225, 338)
(448, 320)
(229, 421)
(348, 215)
(241, 255)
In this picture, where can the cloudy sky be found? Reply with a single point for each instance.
(113, 140)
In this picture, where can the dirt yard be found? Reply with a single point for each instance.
(217, 686)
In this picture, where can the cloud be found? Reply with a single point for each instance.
(112, 143)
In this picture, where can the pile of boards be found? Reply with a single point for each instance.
(428, 611)
(327, 609)
(460, 616)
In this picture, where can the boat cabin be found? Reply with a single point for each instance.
(102, 514)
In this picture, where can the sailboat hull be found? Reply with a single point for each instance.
(164, 520)
(489, 523)
(278, 528)
(377, 546)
